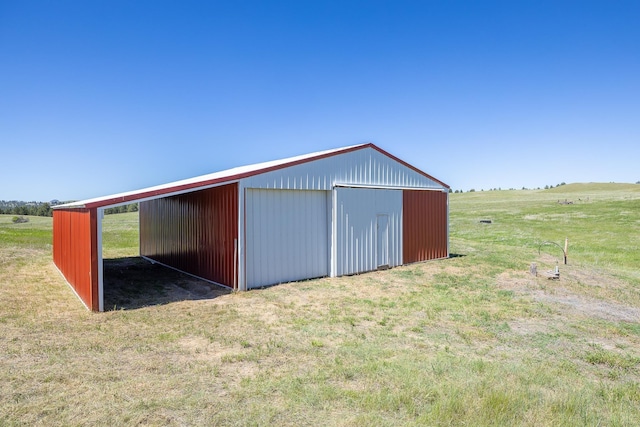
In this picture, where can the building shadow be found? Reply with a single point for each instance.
(134, 282)
(456, 255)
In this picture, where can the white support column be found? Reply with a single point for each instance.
(241, 267)
(329, 235)
(334, 232)
(100, 217)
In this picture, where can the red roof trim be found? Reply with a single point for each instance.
(185, 187)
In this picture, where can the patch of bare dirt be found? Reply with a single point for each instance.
(592, 277)
(594, 308)
(565, 299)
(201, 348)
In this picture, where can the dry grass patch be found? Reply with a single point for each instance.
(590, 292)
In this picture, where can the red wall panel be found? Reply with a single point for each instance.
(193, 232)
(75, 251)
(425, 223)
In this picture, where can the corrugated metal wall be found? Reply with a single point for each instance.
(193, 232)
(286, 236)
(360, 229)
(75, 252)
(425, 219)
(362, 167)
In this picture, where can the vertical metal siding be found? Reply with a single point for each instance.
(193, 232)
(366, 167)
(286, 235)
(425, 222)
(356, 229)
(75, 252)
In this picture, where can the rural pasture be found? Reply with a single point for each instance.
(471, 340)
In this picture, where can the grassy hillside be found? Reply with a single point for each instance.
(600, 221)
(472, 340)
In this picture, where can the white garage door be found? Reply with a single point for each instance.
(368, 230)
(286, 236)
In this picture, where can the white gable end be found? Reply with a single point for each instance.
(365, 167)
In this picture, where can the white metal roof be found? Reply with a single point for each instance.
(215, 176)
(219, 178)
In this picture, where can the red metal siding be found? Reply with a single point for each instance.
(75, 251)
(424, 217)
(193, 232)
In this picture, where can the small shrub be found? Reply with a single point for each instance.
(19, 219)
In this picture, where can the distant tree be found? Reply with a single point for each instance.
(546, 187)
(44, 209)
(472, 190)
(21, 210)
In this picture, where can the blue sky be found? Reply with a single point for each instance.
(99, 97)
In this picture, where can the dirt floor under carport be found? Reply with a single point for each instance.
(134, 282)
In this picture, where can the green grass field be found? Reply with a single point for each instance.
(472, 340)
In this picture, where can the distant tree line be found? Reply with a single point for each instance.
(546, 187)
(15, 207)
